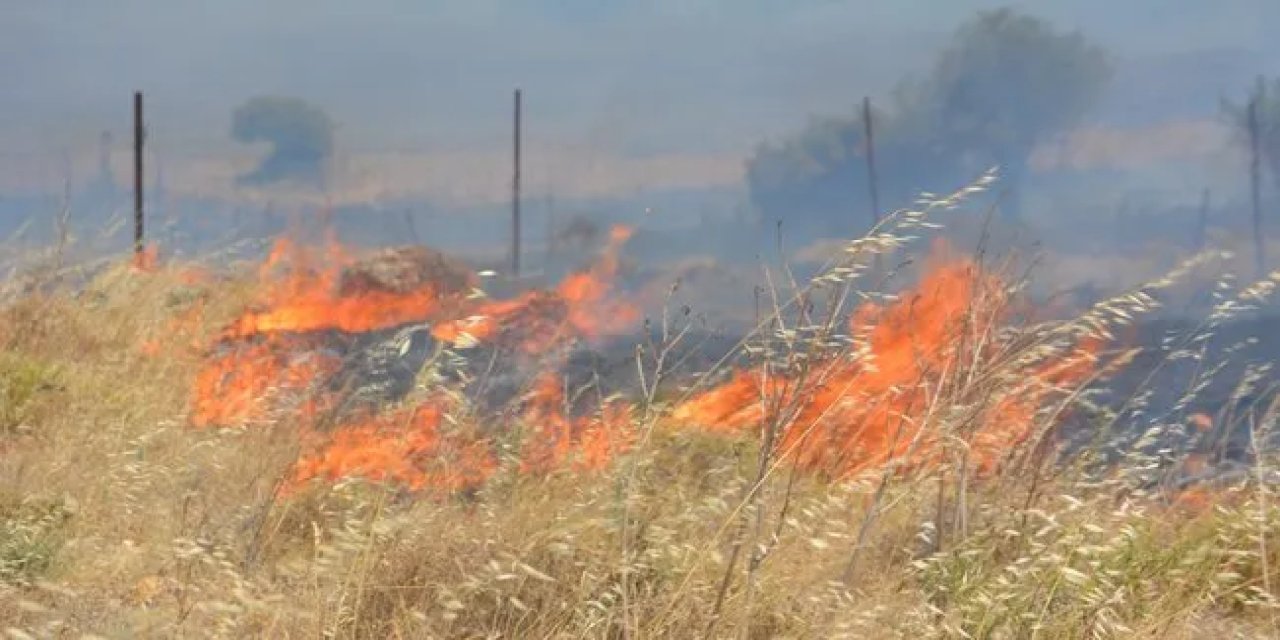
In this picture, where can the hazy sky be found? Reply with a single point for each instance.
(660, 77)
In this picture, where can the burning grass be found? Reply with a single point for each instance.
(177, 460)
(858, 409)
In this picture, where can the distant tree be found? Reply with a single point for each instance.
(1267, 96)
(300, 134)
(1005, 82)
(1257, 123)
(1008, 81)
(817, 180)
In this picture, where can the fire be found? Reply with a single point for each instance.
(1202, 422)
(580, 307)
(242, 384)
(590, 311)
(272, 361)
(409, 448)
(317, 310)
(555, 438)
(854, 413)
(932, 350)
(420, 448)
(308, 300)
(147, 260)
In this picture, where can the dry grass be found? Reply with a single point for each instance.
(118, 520)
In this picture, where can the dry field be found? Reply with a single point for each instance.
(176, 459)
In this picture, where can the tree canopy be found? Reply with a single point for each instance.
(1266, 94)
(300, 135)
(1004, 83)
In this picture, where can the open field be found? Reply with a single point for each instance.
(176, 459)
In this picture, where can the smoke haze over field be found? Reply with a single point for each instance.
(639, 77)
(625, 101)
(761, 318)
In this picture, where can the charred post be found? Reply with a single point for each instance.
(139, 133)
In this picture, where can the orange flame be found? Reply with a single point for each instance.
(240, 386)
(308, 300)
(845, 415)
(270, 355)
(412, 447)
(851, 414)
(579, 307)
(1202, 422)
(147, 260)
(590, 310)
(407, 448)
(555, 438)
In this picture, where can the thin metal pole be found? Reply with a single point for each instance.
(412, 226)
(515, 194)
(1202, 225)
(139, 134)
(872, 182)
(1259, 242)
(551, 236)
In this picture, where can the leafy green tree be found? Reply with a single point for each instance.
(1004, 83)
(300, 135)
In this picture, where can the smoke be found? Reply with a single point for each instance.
(1131, 149)
(300, 135)
(1005, 83)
